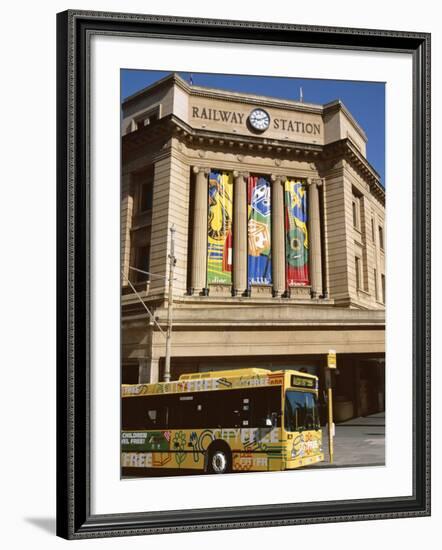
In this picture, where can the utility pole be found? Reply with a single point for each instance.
(331, 364)
(168, 334)
(172, 262)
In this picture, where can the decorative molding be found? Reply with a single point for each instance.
(238, 173)
(278, 178)
(198, 169)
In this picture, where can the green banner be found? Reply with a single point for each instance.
(219, 230)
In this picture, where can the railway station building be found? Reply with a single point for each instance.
(279, 239)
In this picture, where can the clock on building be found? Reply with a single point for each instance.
(259, 120)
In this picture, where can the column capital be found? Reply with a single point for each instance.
(315, 181)
(278, 178)
(201, 169)
(240, 174)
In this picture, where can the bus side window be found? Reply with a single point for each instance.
(267, 407)
(187, 411)
(155, 412)
(236, 405)
(214, 409)
(224, 409)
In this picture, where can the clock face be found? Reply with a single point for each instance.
(259, 119)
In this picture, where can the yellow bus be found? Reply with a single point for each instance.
(217, 422)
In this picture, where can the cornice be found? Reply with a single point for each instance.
(346, 149)
(230, 96)
(255, 100)
(172, 126)
(170, 79)
(337, 105)
(226, 95)
(292, 314)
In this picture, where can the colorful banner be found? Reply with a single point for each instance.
(296, 249)
(219, 230)
(258, 230)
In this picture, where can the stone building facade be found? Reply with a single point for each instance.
(219, 166)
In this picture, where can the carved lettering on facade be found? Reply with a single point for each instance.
(236, 117)
(296, 126)
(218, 115)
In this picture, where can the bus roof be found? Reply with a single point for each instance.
(214, 380)
(224, 373)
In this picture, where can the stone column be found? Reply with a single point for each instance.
(126, 224)
(199, 235)
(278, 235)
(314, 226)
(148, 370)
(240, 233)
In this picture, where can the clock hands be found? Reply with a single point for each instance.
(259, 119)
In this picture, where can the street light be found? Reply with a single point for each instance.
(172, 262)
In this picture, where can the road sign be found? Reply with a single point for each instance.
(331, 359)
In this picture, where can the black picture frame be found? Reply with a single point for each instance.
(74, 518)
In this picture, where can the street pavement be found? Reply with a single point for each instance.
(357, 442)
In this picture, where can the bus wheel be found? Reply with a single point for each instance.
(219, 460)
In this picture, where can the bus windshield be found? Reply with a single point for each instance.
(301, 412)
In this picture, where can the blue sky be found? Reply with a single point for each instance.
(365, 100)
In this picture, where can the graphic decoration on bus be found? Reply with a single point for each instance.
(222, 422)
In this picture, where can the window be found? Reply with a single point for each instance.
(376, 291)
(144, 182)
(142, 256)
(247, 408)
(356, 209)
(144, 413)
(383, 287)
(266, 407)
(153, 117)
(372, 230)
(381, 237)
(147, 118)
(146, 196)
(301, 412)
(358, 272)
(187, 411)
(355, 214)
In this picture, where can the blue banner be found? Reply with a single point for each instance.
(258, 230)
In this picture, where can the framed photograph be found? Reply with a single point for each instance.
(243, 274)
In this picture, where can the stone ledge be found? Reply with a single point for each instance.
(220, 290)
(261, 291)
(296, 291)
